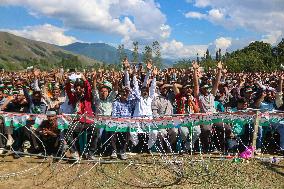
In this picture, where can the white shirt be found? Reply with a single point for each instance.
(143, 106)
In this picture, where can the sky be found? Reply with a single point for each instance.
(182, 27)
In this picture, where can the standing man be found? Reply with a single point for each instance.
(81, 100)
(104, 96)
(206, 101)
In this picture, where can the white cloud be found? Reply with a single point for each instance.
(273, 37)
(202, 3)
(130, 19)
(46, 33)
(215, 14)
(197, 15)
(176, 49)
(223, 43)
(261, 16)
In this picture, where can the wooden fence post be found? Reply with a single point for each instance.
(255, 130)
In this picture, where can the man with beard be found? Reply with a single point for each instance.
(49, 133)
(81, 100)
(54, 100)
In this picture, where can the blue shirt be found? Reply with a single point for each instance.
(125, 109)
(269, 106)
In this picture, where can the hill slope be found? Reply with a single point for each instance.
(18, 53)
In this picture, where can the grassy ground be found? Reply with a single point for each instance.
(141, 171)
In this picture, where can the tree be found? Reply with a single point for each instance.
(121, 52)
(135, 53)
(217, 56)
(157, 60)
(278, 53)
(207, 55)
(182, 64)
(147, 54)
(197, 58)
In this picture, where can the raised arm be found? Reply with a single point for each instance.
(36, 78)
(5, 104)
(126, 67)
(136, 89)
(27, 95)
(176, 88)
(195, 67)
(217, 79)
(149, 67)
(68, 91)
(153, 84)
(88, 89)
(95, 90)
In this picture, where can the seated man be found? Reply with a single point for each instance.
(49, 134)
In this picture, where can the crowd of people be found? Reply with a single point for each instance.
(136, 91)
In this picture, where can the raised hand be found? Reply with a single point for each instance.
(220, 65)
(125, 63)
(149, 64)
(155, 71)
(36, 72)
(134, 70)
(195, 66)
(94, 74)
(83, 77)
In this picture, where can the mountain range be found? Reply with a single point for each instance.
(104, 52)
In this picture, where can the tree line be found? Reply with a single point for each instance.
(257, 56)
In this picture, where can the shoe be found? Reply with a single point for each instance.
(17, 155)
(27, 146)
(113, 155)
(9, 142)
(92, 157)
(75, 156)
(2, 150)
(257, 151)
(123, 156)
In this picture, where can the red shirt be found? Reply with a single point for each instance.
(183, 105)
(84, 106)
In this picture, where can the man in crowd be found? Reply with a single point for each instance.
(51, 137)
(206, 100)
(103, 99)
(81, 100)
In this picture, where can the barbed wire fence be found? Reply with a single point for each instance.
(145, 170)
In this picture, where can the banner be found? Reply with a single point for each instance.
(144, 124)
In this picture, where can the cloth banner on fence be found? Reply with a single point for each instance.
(238, 120)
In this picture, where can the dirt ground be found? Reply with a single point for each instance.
(140, 171)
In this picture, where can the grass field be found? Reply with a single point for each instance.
(141, 171)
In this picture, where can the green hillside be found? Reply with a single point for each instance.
(18, 53)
